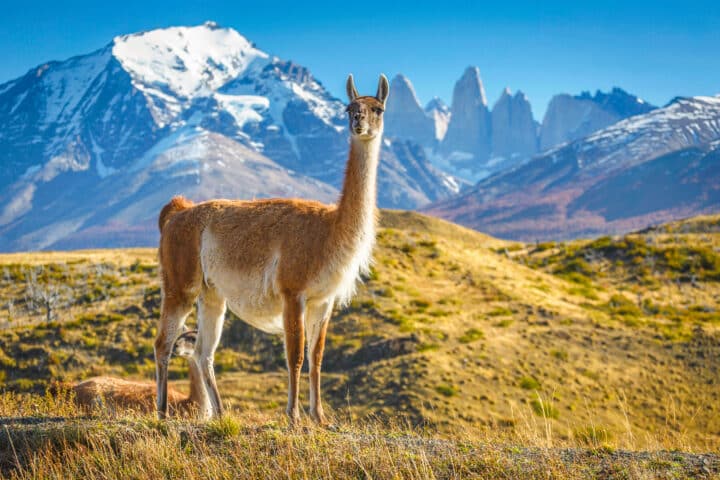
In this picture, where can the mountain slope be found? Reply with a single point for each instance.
(123, 209)
(648, 168)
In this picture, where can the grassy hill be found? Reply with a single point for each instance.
(606, 343)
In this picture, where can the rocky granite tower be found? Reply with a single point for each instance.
(404, 117)
(467, 142)
(514, 132)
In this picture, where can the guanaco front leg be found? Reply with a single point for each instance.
(293, 313)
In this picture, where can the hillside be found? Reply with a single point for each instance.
(613, 341)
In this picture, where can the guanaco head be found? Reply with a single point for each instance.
(365, 114)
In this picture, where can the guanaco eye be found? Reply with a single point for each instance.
(377, 111)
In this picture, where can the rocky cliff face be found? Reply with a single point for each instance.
(514, 132)
(440, 115)
(404, 117)
(467, 143)
(569, 117)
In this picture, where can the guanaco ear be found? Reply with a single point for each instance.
(352, 92)
(383, 89)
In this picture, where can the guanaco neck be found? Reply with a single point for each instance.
(356, 214)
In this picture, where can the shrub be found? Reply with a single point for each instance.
(559, 354)
(447, 390)
(138, 267)
(529, 383)
(593, 436)
(544, 409)
(500, 312)
(427, 347)
(223, 427)
(420, 305)
(541, 247)
(622, 306)
(471, 335)
(407, 248)
(5, 360)
(504, 323)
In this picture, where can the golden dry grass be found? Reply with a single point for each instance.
(255, 444)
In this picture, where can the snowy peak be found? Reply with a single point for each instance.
(437, 104)
(185, 61)
(685, 123)
(174, 66)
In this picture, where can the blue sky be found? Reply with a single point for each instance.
(655, 49)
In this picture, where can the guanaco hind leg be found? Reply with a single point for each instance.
(211, 315)
(172, 319)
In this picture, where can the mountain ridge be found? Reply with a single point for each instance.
(665, 160)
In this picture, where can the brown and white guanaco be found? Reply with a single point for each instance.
(278, 264)
(119, 394)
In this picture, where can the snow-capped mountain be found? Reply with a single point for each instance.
(99, 142)
(652, 167)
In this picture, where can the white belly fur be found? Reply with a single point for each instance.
(247, 299)
(253, 297)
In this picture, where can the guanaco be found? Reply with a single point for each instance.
(117, 393)
(278, 264)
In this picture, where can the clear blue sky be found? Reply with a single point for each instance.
(656, 49)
